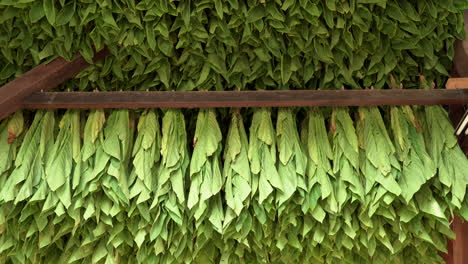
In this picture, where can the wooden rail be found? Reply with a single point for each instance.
(207, 99)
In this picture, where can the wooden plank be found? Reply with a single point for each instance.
(41, 78)
(205, 99)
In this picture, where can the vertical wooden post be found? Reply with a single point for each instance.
(448, 257)
(458, 248)
(460, 245)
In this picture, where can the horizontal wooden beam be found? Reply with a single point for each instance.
(283, 98)
(41, 78)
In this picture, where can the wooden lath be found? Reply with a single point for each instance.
(41, 78)
(208, 99)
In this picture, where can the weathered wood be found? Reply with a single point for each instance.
(41, 78)
(206, 99)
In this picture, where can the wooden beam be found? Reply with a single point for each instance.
(283, 98)
(41, 78)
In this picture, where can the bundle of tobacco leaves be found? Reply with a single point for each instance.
(231, 44)
(331, 185)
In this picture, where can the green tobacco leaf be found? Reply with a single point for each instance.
(236, 166)
(205, 172)
(292, 156)
(66, 14)
(417, 165)
(262, 154)
(50, 11)
(333, 39)
(346, 157)
(443, 149)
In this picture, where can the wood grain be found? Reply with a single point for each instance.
(209, 99)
